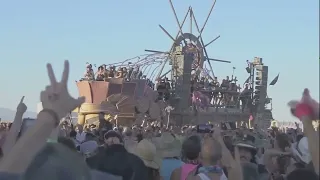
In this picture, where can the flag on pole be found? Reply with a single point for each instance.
(275, 80)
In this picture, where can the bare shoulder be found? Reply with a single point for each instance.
(175, 175)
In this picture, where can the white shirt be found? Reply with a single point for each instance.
(304, 149)
(80, 137)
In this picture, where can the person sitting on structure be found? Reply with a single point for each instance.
(168, 87)
(129, 74)
(225, 83)
(151, 84)
(119, 73)
(215, 83)
(235, 80)
(245, 96)
(135, 73)
(232, 87)
(111, 72)
(100, 73)
(140, 74)
(161, 88)
(239, 88)
(206, 83)
(201, 83)
(124, 72)
(89, 74)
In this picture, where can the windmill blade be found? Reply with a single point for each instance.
(205, 23)
(218, 60)
(212, 41)
(155, 51)
(176, 17)
(165, 31)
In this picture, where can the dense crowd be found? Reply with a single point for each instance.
(54, 149)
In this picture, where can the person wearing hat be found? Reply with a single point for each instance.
(169, 148)
(246, 142)
(116, 160)
(247, 148)
(148, 154)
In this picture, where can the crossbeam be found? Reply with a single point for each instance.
(219, 60)
(212, 41)
(155, 51)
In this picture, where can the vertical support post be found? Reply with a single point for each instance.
(191, 12)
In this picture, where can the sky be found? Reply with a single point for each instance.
(32, 33)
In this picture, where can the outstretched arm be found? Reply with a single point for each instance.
(12, 136)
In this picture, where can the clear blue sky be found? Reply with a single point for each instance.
(284, 33)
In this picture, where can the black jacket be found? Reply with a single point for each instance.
(117, 161)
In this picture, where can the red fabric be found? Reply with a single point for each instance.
(303, 109)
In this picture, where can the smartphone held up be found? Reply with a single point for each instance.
(26, 124)
(205, 128)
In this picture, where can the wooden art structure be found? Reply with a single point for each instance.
(186, 101)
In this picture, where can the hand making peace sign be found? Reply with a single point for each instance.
(56, 101)
(56, 96)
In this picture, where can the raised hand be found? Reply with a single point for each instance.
(232, 163)
(309, 110)
(56, 101)
(21, 108)
(308, 101)
(12, 135)
(56, 96)
(313, 104)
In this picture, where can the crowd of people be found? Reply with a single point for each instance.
(4, 126)
(104, 73)
(225, 93)
(54, 149)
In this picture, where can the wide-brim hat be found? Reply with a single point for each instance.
(147, 152)
(248, 145)
(245, 141)
(168, 146)
(154, 164)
